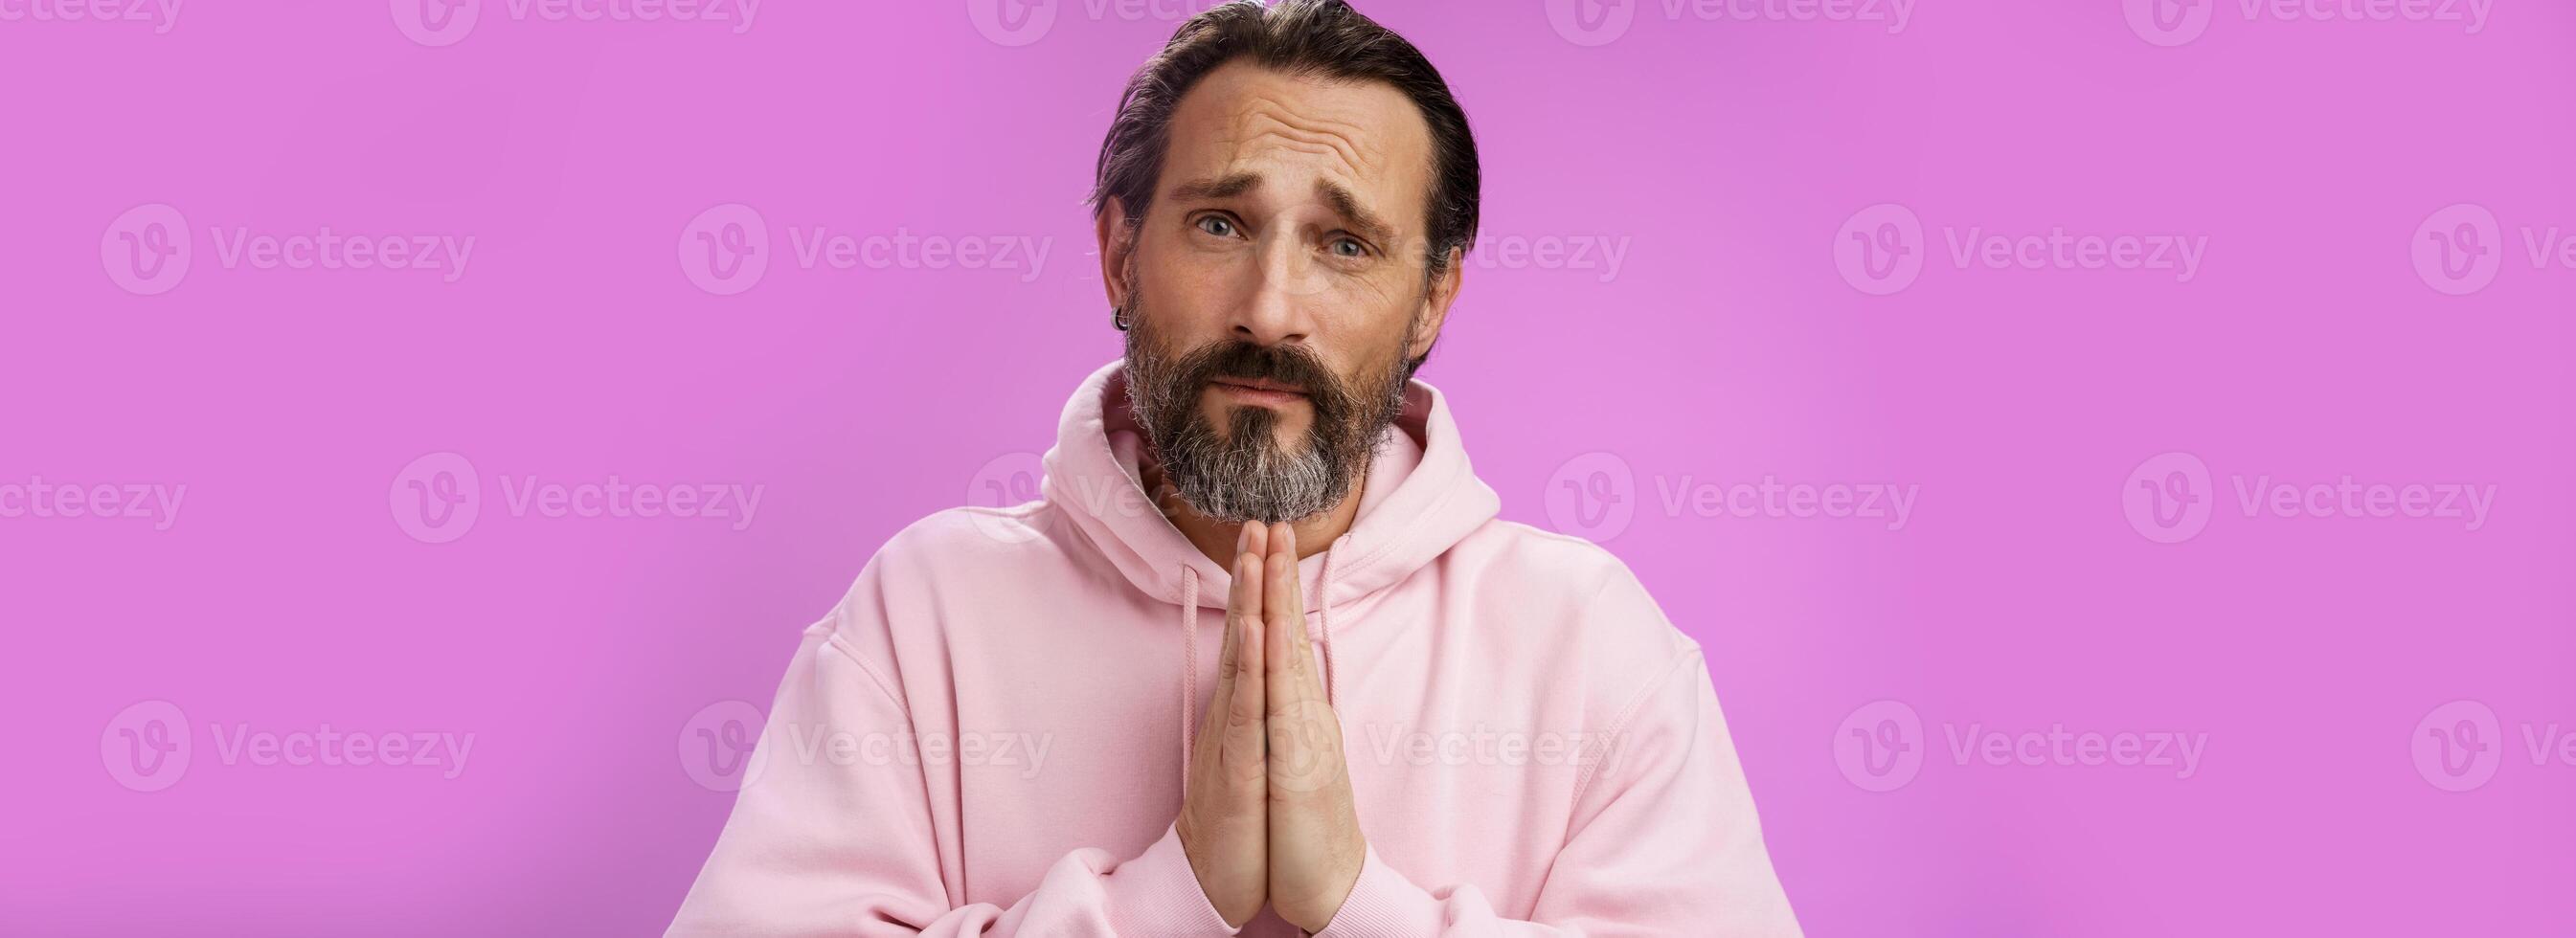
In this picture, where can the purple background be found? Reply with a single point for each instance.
(1737, 339)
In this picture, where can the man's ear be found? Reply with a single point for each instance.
(1443, 290)
(1117, 244)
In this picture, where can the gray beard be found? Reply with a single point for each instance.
(1244, 475)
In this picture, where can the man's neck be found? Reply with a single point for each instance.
(1216, 539)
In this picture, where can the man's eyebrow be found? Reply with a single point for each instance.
(1226, 187)
(1365, 222)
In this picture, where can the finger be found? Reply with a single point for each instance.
(1305, 749)
(1242, 603)
(1242, 619)
(1285, 599)
(1279, 601)
(1229, 656)
(1243, 698)
(1242, 600)
(1243, 595)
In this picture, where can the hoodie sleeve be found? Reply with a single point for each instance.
(819, 847)
(1664, 839)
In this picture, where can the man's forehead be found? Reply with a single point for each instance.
(1298, 136)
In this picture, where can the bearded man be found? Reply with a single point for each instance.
(1264, 657)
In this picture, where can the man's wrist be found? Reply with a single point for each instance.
(1382, 902)
(1159, 893)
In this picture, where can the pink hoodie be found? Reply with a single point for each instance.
(986, 735)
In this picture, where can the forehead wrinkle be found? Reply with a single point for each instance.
(1343, 141)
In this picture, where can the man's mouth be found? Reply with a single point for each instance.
(1258, 391)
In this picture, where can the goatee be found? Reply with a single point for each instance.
(1245, 474)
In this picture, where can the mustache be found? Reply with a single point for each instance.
(1233, 469)
(1293, 365)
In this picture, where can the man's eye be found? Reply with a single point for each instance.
(1347, 247)
(1216, 225)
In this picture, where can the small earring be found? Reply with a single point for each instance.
(1118, 317)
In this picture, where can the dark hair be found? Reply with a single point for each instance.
(1324, 38)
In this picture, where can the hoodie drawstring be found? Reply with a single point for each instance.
(1189, 667)
(1324, 605)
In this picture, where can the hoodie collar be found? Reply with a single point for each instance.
(1420, 497)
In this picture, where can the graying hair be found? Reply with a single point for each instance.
(1245, 475)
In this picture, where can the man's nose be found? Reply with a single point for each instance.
(1282, 288)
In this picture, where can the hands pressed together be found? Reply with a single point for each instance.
(1266, 812)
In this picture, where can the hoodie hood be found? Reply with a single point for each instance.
(1409, 514)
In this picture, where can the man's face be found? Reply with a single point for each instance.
(1277, 285)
